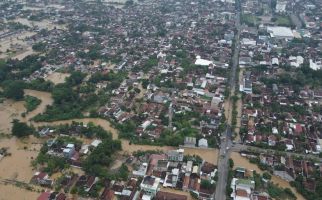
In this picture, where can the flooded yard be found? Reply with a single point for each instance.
(209, 155)
(240, 161)
(57, 77)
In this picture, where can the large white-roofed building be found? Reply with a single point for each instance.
(280, 32)
(202, 62)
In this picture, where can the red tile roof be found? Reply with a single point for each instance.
(44, 196)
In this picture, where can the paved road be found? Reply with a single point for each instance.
(223, 167)
(226, 142)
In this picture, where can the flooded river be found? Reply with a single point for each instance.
(240, 161)
(45, 98)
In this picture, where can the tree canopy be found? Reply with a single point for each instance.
(14, 90)
(21, 129)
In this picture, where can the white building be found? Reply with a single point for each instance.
(150, 185)
(280, 32)
(203, 143)
(296, 61)
(202, 62)
(280, 6)
(315, 65)
(142, 170)
(246, 86)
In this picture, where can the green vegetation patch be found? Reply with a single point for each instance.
(250, 20)
(21, 129)
(282, 21)
(31, 103)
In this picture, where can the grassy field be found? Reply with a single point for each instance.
(283, 21)
(250, 20)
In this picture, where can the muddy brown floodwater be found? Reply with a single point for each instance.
(57, 77)
(18, 165)
(10, 110)
(210, 155)
(17, 39)
(240, 161)
(45, 98)
(11, 192)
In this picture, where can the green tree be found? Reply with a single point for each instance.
(207, 184)
(123, 172)
(63, 93)
(20, 129)
(14, 90)
(267, 176)
(231, 163)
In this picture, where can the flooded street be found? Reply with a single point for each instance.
(239, 109)
(240, 161)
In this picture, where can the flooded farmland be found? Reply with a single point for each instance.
(44, 24)
(15, 41)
